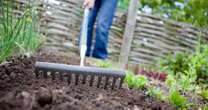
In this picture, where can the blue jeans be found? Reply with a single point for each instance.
(104, 11)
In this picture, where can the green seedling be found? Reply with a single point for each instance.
(177, 99)
(140, 81)
(156, 92)
(204, 94)
(129, 79)
(134, 81)
(170, 81)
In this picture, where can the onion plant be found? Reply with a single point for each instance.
(17, 35)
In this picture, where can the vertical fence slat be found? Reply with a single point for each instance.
(129, 32)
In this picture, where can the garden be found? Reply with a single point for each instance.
(179, 81)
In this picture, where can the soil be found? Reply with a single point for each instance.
(21, 90)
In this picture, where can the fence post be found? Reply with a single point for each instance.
(129, 33)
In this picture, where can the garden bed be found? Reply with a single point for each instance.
(21, 90)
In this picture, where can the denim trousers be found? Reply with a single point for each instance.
(102, 13)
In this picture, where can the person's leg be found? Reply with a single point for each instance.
(91, 22)
(105, 18)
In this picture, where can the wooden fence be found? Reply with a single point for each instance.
(154, 37)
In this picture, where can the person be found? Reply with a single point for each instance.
(103, 11)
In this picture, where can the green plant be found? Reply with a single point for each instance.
(156, 92)
(205, 107)
(174, 63)
(188, 69)
(204, 94)
(190, 11)
(17, 33)
(140, 81)
(134, 81)
(177, 99)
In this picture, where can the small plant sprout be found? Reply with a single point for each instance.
(177, 99)
(156, 92)
(140, 81)
(135, 81)
(130, 79)
(204, 94)
(170, 81)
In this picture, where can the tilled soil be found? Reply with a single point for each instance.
(21, 90)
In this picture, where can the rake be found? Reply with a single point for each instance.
(74, 73)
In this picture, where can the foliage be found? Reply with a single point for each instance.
(176, 63)
(190, 68)
(205, 107)
(204, 94)
(18, 34)
(156, 92)
(135, 81)
(123, 4)
(170, 81)
(177, 99)
(190, 11)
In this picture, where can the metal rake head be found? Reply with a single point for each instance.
(72, 72)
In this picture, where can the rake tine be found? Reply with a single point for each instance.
(53, 75)
(42, 74)
(92, 80)
(76, 79)
(69, 79)
(45, 74)
(121, 81)
(37, 73)
(84, 79)
(113, 83)
(106, 82)
(61, 76)
(75, 71)
(99, 81)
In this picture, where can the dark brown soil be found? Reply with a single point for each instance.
(21, 90)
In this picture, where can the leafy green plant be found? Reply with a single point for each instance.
(156, 92)
(205, 107)
(170, 81)
(141, 81)
(175, 63)
(134, 81)
(177, 99)
(188, 68)
(204, 94)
